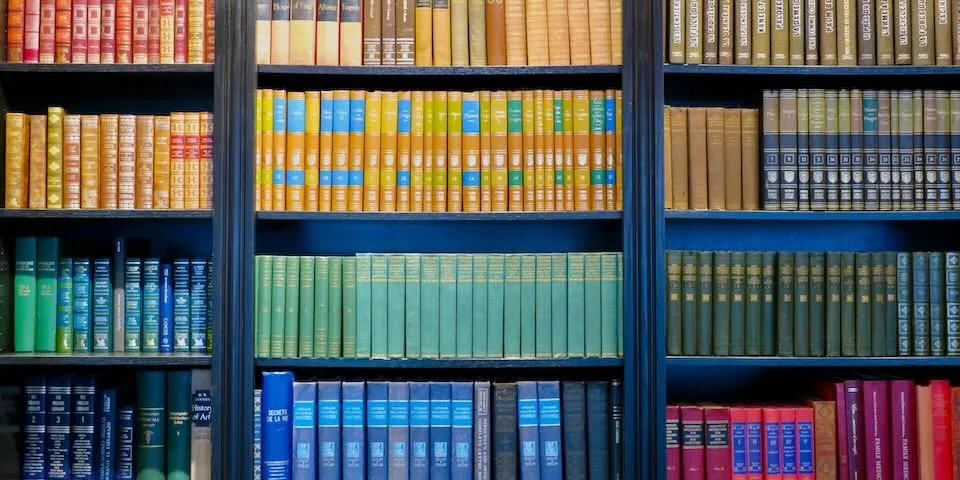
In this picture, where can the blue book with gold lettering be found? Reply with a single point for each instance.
(81, 305)
(166, 308)
(419, 430)
(548, 412)
(304, 430)
(35, 429)
(377, 434)
(398, 431)
(64, 331)
(151, 436)
(354, 438)
(276, 431)
(528, 423)
(440, 422)
(181, 305)
(328, 428)
(462, 430)
(125, 435)
(58, 428)
(198, 305)
(82, 427)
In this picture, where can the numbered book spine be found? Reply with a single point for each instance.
(462, 430)
(181, 305)
(377, 433)
(102, 306)
(328, 428)
(277, 430)
(440, 426)
(152, 461)
(165, 339)
(57, 441)
(304, 430)
(35, 429)
(871, 163)
(133, 306)
(198, 305)
(354, 439)
(82, 425)
(125, 442)
(419, 430)
(398, 452)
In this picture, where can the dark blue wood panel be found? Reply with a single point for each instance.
(811, 216)
(87, 237)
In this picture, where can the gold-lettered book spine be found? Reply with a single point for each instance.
(828, 32)
(743, 32)
(885, 32)
(761, 32)
(780, 35)
(328, 32)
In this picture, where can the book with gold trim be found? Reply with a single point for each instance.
(454, 151)
(716, 181)
(500, 117)
(440, 137)
(471, 131)
(711, 47)
(828, 31)
(694, 31)
(677, 32)
(389, 112)
(416, 151)
(885, 32)
(780, 32)
(697, 152)
(311, 158)
(371, 152)
(922, 32)
(581, 149)
(943, 31)
(678, 157)
(529, 155)
(372, 12)
(355, 157)
(867, 27)
(847, 28)
(486, 152)
(797, 26)
(404, 155)
(761, 32)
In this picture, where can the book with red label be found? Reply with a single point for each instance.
(31, 31)
(876, 413)
(124, 32)
(94, 31)
(942, 442)
(153, 31)
(717, 427)
(691, 441)
(673, 443)
(78, 41)
(180, 31)
(141, 24)
(903, 406)
(108, 31)
(772, 448)
(48, 16)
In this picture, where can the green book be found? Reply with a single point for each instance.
(179, 413)
(363, 307)
(688, 312)
(257, 266)
(495, 306)
(609, 336)
(754, 307)
(953, 299)
(377, 330)
(448, 306)
(848, 304)
(152, 425)
(412, 304)
(785, 292)
(705, 303)
(6, 300)
(265, 305)
(65, 306)
(592, 308)
(890, 284)
(721, 303)
(291, 324)
(938, 328)
(342, 316)
(738, 284)
(511, 306)
(620, 331)
(307, 305)
(921, 304)
(834, 296)
(464, 319)
(864, 309)
(674, 304)
(801, 311)
(576, 337)
(47, 252)
(395, 306)
(480, 305)
(768, 322)
(321, 306)
(278, 306)
(558, 304)
(544, 300)
(817, 303)
(25, 294)
(904, 304)
(528, 305)
(430, 306)
(878, 295)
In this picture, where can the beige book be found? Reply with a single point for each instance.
(423, 32)
(161, 161)
(922, 51)
(743, 32)
(697, 151)
(761, 32)
(579, 31)
(726, 32)
(716, 165)
(828, 32)
(678, 17)
(351, 33)
(263, 36)
(847, 32)
(459, 34)
(694, 36)
(599, 14)
(328, 32)
(901, 44)
(811, 41)
(797, 18)
(955, 30)
(885, 33)
(750, 158)
(476, 15)
(667, 160)
(943, 31)
(538, 50)
(679, 158)
(517, 31)
(303, 32)
(732, 151)
(89, 161)
(559, 37)
(710, 33)
(780, 34)
(280, 33)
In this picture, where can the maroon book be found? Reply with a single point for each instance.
(857, 466)
(876, 413)
(691, 446)
(673, 442)
(842, 438)
(717, 422)
(903, 395)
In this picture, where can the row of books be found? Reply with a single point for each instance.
(440, 33)
(341, 150)
(75, 426)
(890, 428)
(109, 31)
(811, 32)
(109, 161)
(530, 430)
(813, 304)
(448, 306)
(125, 304)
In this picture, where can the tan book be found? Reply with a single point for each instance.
(716, 177)
(678, 21)
(694, 35)
(797, 19)
(710, 33)
(616, 32)
(303, 32)
(71, 161)
(955, 30)
(847, 32)
(55, 157)
(127, 163)
(885, 32)
(943, 31)
(476, 14)
(351, 33)
(697, 151)
(89, 161)
(732, 151)
(495, 17)
(423, 32)
(726, 32)
(538, 50)
(901, 44)
(191, 164)
(780, 33)
(109, 160)
(516, 31)
(750, 158)
(867, 40)
(743, 32)
(811, 49)
(459, 34)
(761, 32)
(559, 38)
(206, 160)
(37, 188)
(144, 167)
(328, 32)
(388, 33)
(16, 161)
(161, 161)
(679, 158)
(922, 37)
(599, 14)
(579, 31)
(667, 160)
(441, 33)
(828, 32)
(280, 33)
(372, 52)
(406, 30)
(263, 35)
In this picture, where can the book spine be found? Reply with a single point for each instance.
(328, 428)
(788, 443)
(398, 455)
(377, 430)
(258, 434)
(304, 464)
(952, 304)
(198, 305)
(102, 324)
(125, 442)
(181, 305)
(105, 451)
(354, 439)
(528, 427)
(937, 305)
(57, 441)
(166, 308)
(903, 406)
(82, 424)
(419, 430)
(277, 429)
(133, 305)
(942, 449)
(35, 428)
(482, 430)
(461, 438)
(548, 414)
(178, 419)
(877, 424)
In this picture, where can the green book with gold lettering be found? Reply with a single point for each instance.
(464, 315)
(688, 319)
(257, 271)
(480, 305)
(377, 328)
(321, 306)
(609, 336)
(890, 284)
(737, 303)
(704, 303)
(395, 306)
(834, 295)
(307, 314)
(848, 304)
(754, 303)
(279, 306)
(938, 321)
(494, 306)
(721, 303)
(921, 303)
(511, 306)
(801, 311)
(620, 330)
(592, 309)
(291, 322)
(544, 321)
(528, 304)
(768, 322)
(342, 319)
(576, 341)
(558, 304)
(864, 308)
(430, 306)
(878, 294)
(364, 306)
(448, 306)
(264, 310)
(412, 304)
(817, 303)
(674, 304)
(785, 303)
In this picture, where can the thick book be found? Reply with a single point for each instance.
(304, 462)
(692, 442)
(328, 428)
(419, 430)
(505, 446)
(440, 429)
(277, 429)
(716, 430)
(377, 433)
(398, 430)
(482, 430)
(461, 437)
(57, 408)
(201, 408)
(354, 431)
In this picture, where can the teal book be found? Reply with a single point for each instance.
(511, 306)
(151, 304)
(576, 344)
(429, 306)
(291, 322)
(258, 273)
(64, 306)
(152, 425)
(181, 305)
(448, 306)
(528, 326)
(558, 305)
(6, 300)
(133, 305)
(904, 304)
(102, 325)
(265, 308)
(609, 330)
(412, 304)
(321, 306)
(890, 282)
(307, 313)
(342, 316)
(938, 321)
(25, 294)
(179, 412)
(364, 306)
(953, 303)
(377, 330)
(81, 305)
(278, 306)
(592, 304)
(395, 306)
(495, 306)
(47, 252)
(704, 302)
(480, 305)
(620, 330)
(544, 301)
(921, 304)
(464, 306)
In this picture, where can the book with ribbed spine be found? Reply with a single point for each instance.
(937, 306)
(470, 157)
(125, 443)
(884, 154)
(871, 158)
(37, 196)
(771, 150)
(35, 428)
(181, 305)
(294, 172)
(459, 33)
(133, 305)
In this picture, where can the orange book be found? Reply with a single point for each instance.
(279, 33)
(266, 155)
(538, 51)
(161, 161)
(145, 153)
(54, 156)
(294, 169)
(78, 51)
(371, 153)
(486, 167)
(403, 151)
(166, 31)
(140, 36)
(559, 33)
(496, 29)
(109, 161)
(416, 150)
(499, 147)
(618, 113)
(356, 159)
(89, 161)
(63, 23)
(257, 149)
(153, 32)
(351, 33)
(569, 150)
(539, 176)
(439, 178)
(191, 160)
(616, 32)
(514, 151)
(549, 171)
(71, 161)
(388, 151)
(16, 161)
(206, 160)
(328, 32)
(126, 165)
(311, 161)
(558, 139)
(441, 33)
(581, 149)
(37, 188)
(455, 151)
(340, 144)
(529, 154)
(326, 150)
(597, 151)
(278, 174)
(196, 19)
(516, 32)
(123, 31)
(177, 160)
(925, 433)
(428, 151)
(577, 13)
(599, 13)
(303, 32)
(15, 32)
(609, 151)
(471, 152)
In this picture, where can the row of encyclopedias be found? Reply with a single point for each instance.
(109, 161)
(448, 306)
(110, 31)
(531, 150)
(440, 33)
(529, 430)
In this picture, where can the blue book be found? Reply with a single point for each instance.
(461, 394)
(326, 127)
(82, 437)
(81, 305)
(277, 431)
(296, 124)
(377, 420)
(102, 306)
(598, 428)
(774, 450)
(305, 430)
(548, 411)
(58, 428)
(209, 305)
(738, 442)
(482, 429)
(279, 128)
(340, 125)
(528, 423)
(805, 458)
(166, 308)
(354, 441)
(35, 429)
(106, 434)
(328, 428)
(65, 306)
(257, 428)
(610, 128)
(198, 305)
(404, 119)
(575, 430)
(357, 115)
(440, 421)
(755, 448)
(788, 442)
(419, 430)
(399, 430)
(151, 305)
(181, 305)
(132, 306)
(125, 421)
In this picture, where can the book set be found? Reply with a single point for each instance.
(439, 32)
(531, 150)
(109, 31)
(109, 161)
(440, 430)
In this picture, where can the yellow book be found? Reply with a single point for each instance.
(191, 160)
(161, 161)
(516, 32)
(471, 152)
(579, 26)
(416, 151)
(311, 159)
(263, 34)
(356, 160)
(428, 151)
(110, 160)
(423, 36)
(609, 151)
(295, 173)
(460, 51)
(341, 139)
(455, 151)
(280, 33)
(618, 111)
(145, 153)
(258, 148)
(371, 147)
(476, 14)
(266, 157)
(403, 151)
(177, 160)
(439, 179)
(325, 178)
(55, 157)
(279, 174)
(38, 162)
(441, 33)
(328, 32)
(16, 167)
(126, 167)
(581, 149)
(597, 151)
(388, 152)
(71, 161)
(195, 30)
(351, 33)
(559, 34)
(538, 51)
(89, 162)
(558, 135)
(515, 151)
(539, 175)
(599, 12)
(549, 198)
(529, 152)
(499, 147)
(569, 203)
(303, 31)
(486, 169)
(206, 160)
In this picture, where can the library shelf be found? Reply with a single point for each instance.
(106, 359)
(443, 216)
(811, 362)
(813, 70)
(442, 363)
(812, 216)
(414, 71)
(104, 214)
(107, 69)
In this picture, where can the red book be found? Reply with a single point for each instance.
(78, 44)
(94, 31)
(153, 31)
(843, 440)
(48, 21)
(876, 415)
(903, 394)
(717, 422)
(31, 32)
(806, 464)
(942, 445)
(180, 31)
(124, 32)
(15, 13)
(924, 433)
(738, 443)
(856, 433)
(788, 443)
(108, 31)
(673, 442)
(208, 32)
(772, 449)
(955, 402)
(63, 25)
(754, 444)
(141, 25)
(692, 454)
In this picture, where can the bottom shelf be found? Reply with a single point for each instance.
(818, 362)
(106, 359)
(440, 363)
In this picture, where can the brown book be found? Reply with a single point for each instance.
(847, 32)
(761, 32)
(797, 18)
(885, 32)
(811, 36)
(901, 32)
(825, 432)
(667, 160)
(697, 141)
(922, 44)
(943, 31)
(406, 29)
(710, 37)
(371, 32)
(388, 33)
(678, 21)
(780, 36)
(924, 433)
(496, 33)
(679, 157)
(716, 178)
(955, 35)
(828, 32)
(750, 158)
(743, 32)
(866, 41)
(732, 149)
(726, 32)
(694, 37)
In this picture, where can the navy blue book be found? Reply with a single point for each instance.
(125, 420)
(84, 399)
(440, 421)
(616, 429)
(598, 430)
(304, 430)
(481, 430)
(328, 428)
(58, 428)
(257, 428)
(377, 435)
(574, 430)
(277, 430)
(528, 423)
(198, 305)
(354, 438)
(81, 305)
(398, 453)
(166, 308)
(548, 405)
(106, 434)
(181, 305)
(419, 430)
(35, 429)
(462, 430)
(505, 453)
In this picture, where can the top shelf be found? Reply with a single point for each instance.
(202, 68)
(813, 70)
(390, 71)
